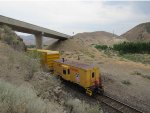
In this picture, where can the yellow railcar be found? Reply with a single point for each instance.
(87, 76)
(47, 56)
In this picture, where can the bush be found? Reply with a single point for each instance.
(126, 82)
(22, 100)
(137, 73)
(146, 76)
(9, 37)
(142, 75)
(33, 54)
(78, 106)
(14, 63)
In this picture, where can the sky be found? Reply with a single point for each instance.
(68, 16)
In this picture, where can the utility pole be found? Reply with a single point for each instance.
(113, 32)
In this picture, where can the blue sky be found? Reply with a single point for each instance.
(76, 16)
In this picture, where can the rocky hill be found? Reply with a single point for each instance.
(140, 32)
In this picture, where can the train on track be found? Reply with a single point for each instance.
(85, 75)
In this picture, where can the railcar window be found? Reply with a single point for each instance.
(68, 71)
(64, 72)
(93, 74)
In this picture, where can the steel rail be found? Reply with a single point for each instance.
(123, 108)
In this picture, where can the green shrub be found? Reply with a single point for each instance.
(31, 46)
(33, 54)
(137, 73)
(102, 47)
(126, 82)
(146, 76)
(92, 56)
(132, 47)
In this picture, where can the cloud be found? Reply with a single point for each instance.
(72, 16)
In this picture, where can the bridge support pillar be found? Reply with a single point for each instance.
(38, 41)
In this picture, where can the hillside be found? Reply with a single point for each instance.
(140, 32)
(98, 37)
(84, 42)
(9, 37)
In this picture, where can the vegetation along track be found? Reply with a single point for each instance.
(116, 105)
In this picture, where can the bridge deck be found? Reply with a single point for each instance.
(25, 27)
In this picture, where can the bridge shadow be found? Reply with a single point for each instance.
(55, 44)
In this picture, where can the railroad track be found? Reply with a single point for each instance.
(117, 105)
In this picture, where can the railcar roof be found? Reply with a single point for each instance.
(44, 51)
(76, 64)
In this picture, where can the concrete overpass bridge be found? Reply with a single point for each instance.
(37, 31)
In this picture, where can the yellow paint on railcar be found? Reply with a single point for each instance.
(47, 56)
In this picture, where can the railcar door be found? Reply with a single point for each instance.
(93, 77)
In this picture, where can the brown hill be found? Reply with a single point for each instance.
(140, 32)
(98, 37)
(81, 40)
(82, 44)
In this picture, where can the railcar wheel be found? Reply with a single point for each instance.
(101, 91)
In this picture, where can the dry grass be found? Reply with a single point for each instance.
(141, 74)
(14, 63)
(143, 58)
(18, 68)
(23, 100)
(78, 106)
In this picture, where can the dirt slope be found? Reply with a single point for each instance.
(140, 32)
